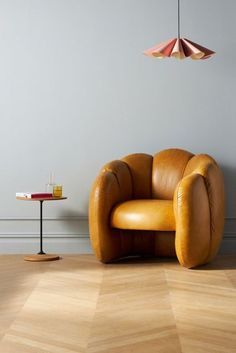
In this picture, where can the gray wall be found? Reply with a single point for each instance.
(76, 92)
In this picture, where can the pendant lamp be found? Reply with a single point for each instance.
(179, 48)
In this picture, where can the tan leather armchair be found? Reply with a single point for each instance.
(169, 204)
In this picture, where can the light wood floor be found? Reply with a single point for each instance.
(78, 305)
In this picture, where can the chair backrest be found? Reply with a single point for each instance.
(140, 166)
(157, 176)
(167, 170)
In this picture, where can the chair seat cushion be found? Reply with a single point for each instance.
(144, 215)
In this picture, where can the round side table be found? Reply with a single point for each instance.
(41, 256)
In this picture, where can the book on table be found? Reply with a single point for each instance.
(34, 195)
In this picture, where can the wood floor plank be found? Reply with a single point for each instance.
(78, 305)
(17, 281)
(58, 313)
(133, 312)
(204, 303)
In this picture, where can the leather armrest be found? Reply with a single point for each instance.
(214, 181)
(113, 185)
(192, 213)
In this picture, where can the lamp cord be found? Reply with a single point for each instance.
(178, 19)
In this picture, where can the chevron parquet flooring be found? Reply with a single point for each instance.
(77, 305)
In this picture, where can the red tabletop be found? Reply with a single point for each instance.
(41, 198)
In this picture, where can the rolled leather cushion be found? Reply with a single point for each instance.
(144, 215)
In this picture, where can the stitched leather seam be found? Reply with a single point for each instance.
(132, 180)
(184, 168)
(209, 202)
(177, 216)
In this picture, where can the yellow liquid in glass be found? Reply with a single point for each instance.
(57, 191)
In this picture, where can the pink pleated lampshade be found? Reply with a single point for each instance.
(179, 48)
